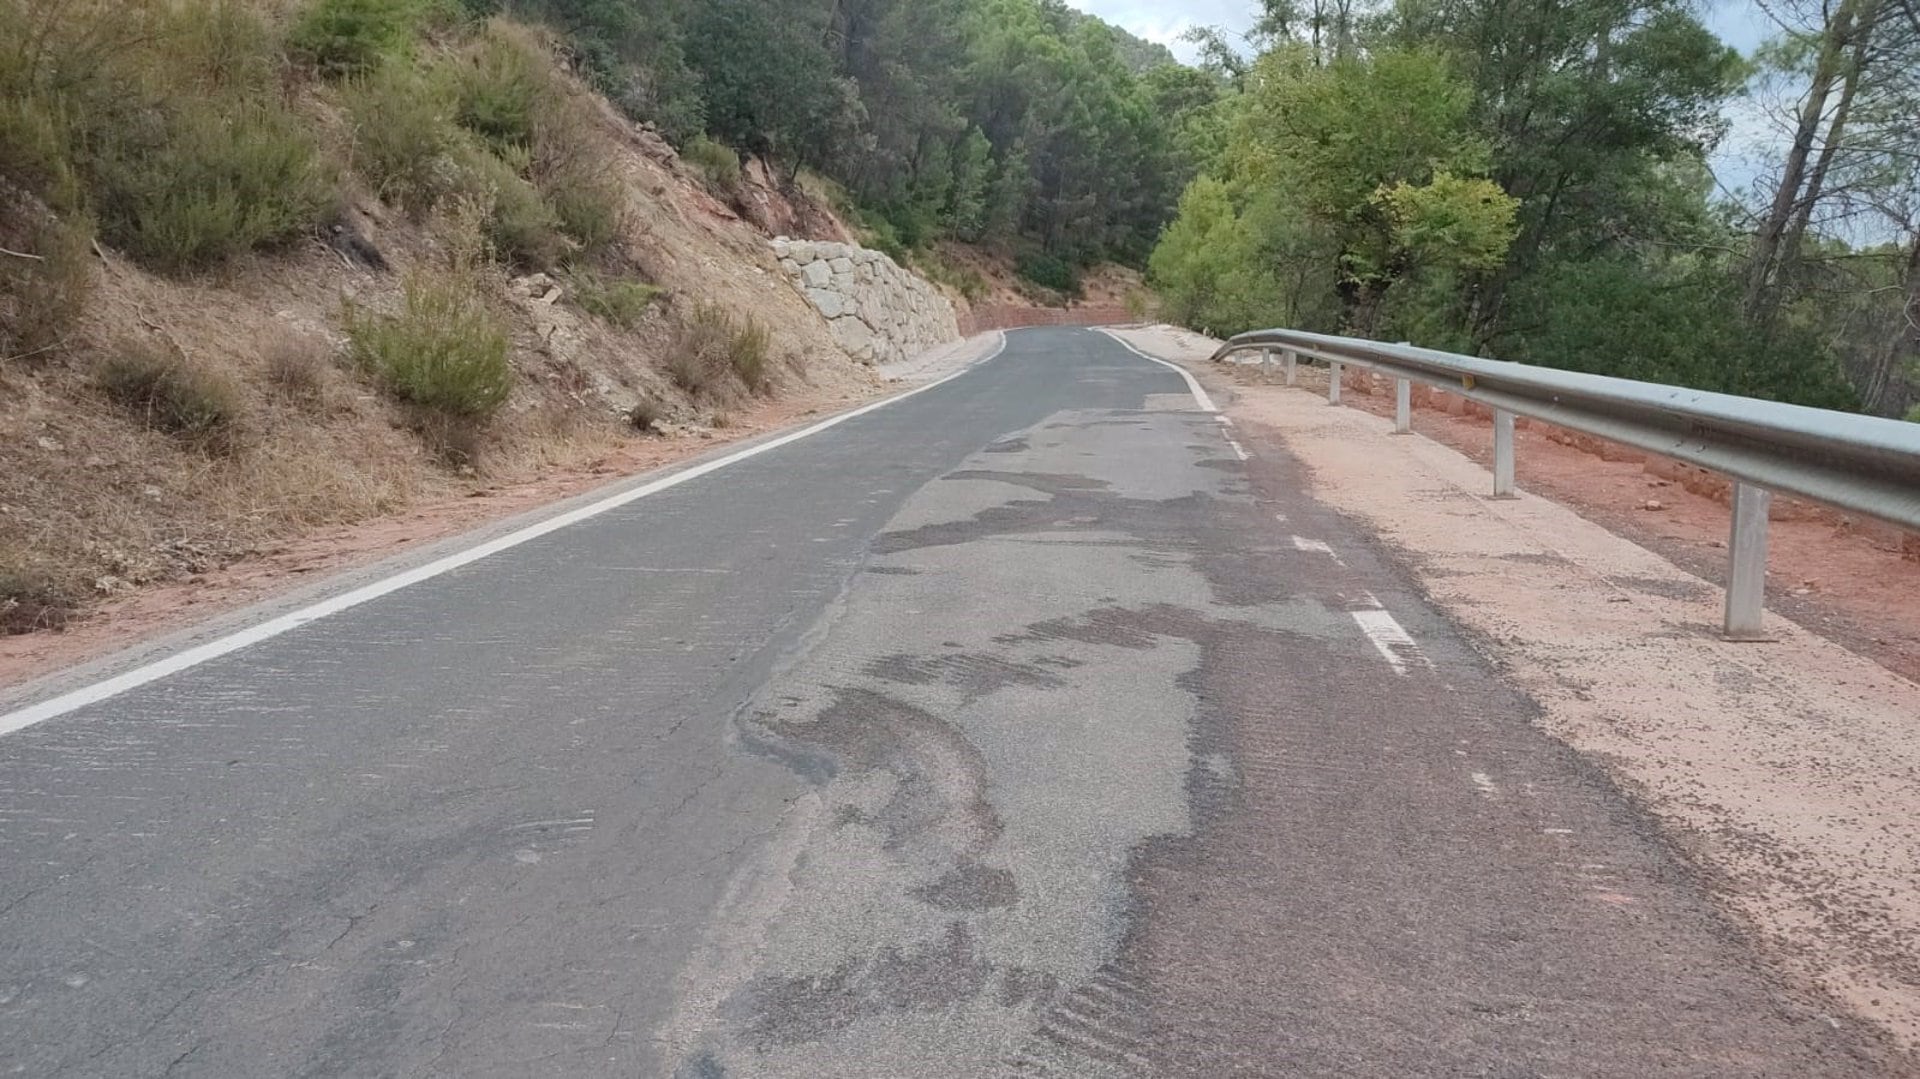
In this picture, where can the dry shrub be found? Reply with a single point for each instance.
(42, 296)
(716, 353)
(32, 600)
(170, 393)
(296, 367)
(646, 415)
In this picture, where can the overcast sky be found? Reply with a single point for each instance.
(1738, 21)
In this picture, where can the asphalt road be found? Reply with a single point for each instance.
(1019, 727)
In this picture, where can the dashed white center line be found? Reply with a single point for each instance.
(1483, 783)
(1302, 543)
(1392, 640)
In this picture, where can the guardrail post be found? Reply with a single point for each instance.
(1266, 365)
(1503, 454)
(1747, 557)
(1333, 383)
(1402, 407)
(1293, 362)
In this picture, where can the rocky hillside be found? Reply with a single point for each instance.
(266, 271)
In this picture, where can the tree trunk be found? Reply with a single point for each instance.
(1766, 244)
(1903, 343)
(1836, 131)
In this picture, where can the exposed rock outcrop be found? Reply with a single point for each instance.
(878, 311)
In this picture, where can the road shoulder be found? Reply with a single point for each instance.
(1785, 771)
(168, 618)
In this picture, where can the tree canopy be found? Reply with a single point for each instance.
(1531, 182)
(1007, 120)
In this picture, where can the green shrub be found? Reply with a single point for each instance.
(718, 163)
(590, 205)
(715, 352)
(444, 353)
(41, 298)
(521, 228)
(226, 180)
(1049, 271)
(1914, 416)
(404, 139)
(882, 237)
(619, 301)
(352, 37)
(168, 393)
(498, 86)
(35, 148)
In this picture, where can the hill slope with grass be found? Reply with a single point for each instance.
(266, 268)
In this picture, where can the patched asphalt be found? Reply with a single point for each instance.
(1006, 730)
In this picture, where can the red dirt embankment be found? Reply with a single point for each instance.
(1017, 316)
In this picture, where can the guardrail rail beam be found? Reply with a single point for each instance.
(1866, 465)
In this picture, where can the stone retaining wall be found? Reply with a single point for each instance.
(879, 312)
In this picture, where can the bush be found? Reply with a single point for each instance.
(646, 415)
(41, 299)
(714, 352)
(618, 301)
(497, 87)
(883, 238)
(404, 139)
(168, 393)
(223, 183)
(719, 164)
(588, 202)
(296, 367)
(31, 601)
(444, 353)
(1049, 271)
(352, 37)
(522, 229)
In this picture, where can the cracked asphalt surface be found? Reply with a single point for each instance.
(1018, 728)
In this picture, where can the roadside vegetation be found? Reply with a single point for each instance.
(1534, 185)
(716, 354)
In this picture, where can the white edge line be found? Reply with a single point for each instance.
(152, 672)
(1193, 384)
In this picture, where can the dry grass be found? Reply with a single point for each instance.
(172, 394)
(619, 302)
(33, 600)
(43, 290)
(715, 354)
(296, 368)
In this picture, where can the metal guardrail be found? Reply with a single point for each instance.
(1858, 464)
